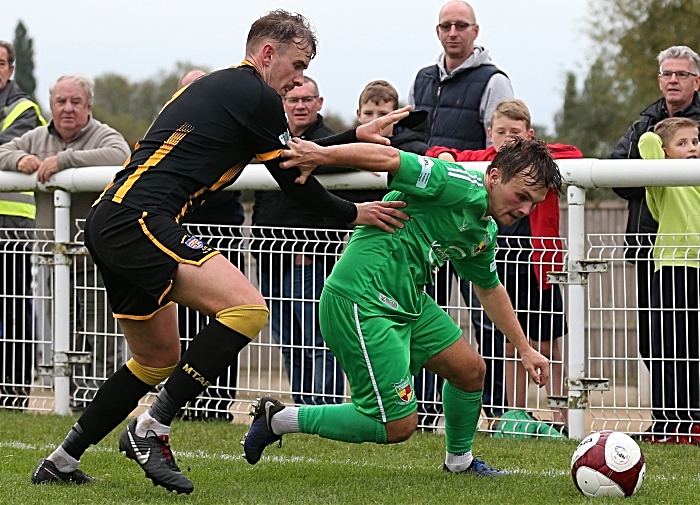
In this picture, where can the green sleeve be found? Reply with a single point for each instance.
(419, 176)
(651, 147)
(481, 268)
(654, 196)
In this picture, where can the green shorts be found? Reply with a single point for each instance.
(380, 353)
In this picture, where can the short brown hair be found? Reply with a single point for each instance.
(529, 157)
(668, 127)
(514, 109)
(284, 28)
(379, 91)
(10, 51)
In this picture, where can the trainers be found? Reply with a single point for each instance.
(480, 469)
(153, 454)
(260, 434)
(46, 472)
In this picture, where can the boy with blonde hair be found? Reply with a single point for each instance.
(527, 250)
(675, 377)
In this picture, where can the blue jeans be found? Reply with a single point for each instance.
(313, 371)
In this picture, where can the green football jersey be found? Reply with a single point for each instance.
(446, 204)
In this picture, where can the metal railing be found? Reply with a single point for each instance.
(71, 336)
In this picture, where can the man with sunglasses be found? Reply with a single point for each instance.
(679, 80)
(461, 90)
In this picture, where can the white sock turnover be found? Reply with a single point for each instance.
(286, 421)
(146, 423)
(458, 462)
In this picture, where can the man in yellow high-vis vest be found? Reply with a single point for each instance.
(18, 115)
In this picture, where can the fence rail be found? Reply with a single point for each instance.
(65, 342)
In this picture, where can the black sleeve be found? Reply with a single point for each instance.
(312, 194)
(347, 137)
(626, 148)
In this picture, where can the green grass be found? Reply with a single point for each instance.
(310, 470)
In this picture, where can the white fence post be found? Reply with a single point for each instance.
(576, 362)
(61, 303)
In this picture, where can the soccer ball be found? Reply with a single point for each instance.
(608, 463)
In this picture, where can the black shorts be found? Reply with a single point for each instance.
(541, 313)
(137, 254)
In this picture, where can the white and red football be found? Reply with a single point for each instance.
(608, 463)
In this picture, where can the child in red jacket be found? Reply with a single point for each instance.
(528, 249)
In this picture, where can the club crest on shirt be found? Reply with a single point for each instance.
(404, 390)
(285, 137)
(476, 249)
(194, 242)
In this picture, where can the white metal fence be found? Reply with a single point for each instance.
(64, 343)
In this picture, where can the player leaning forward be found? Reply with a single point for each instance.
(199, 143)
(377, 319)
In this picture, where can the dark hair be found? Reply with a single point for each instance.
(10, 51)
(529, 157)
(284, 28)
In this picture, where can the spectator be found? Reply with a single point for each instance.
(675, 372)
(294, 262)
(523, 261)
(461, 90)
(190, 77)
(18, 115)
(222, 211)
(679, 81)
(74, 139)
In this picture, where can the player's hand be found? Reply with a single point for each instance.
(47, 168)
(28, 164)
(383, 215)
(304, 155)
(537, 366)
(446, 156)
(371, 132)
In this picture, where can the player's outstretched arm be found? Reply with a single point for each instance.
(313, 195)
(371, 132)
(499, 309)
(306, 156)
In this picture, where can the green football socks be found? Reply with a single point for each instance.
(462, 411)
(341, 422)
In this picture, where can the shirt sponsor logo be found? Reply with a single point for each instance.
(194, 243)
(391, 303)
(285, 137)
(404, 390)
(426, 170)
(465, 225)
(439, 254)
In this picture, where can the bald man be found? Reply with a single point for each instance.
(464, 74)
(190, 77)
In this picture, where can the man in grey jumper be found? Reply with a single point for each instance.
(73, 139)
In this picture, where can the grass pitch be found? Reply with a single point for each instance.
(309, 470)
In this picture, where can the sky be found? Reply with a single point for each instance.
(536, 42)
